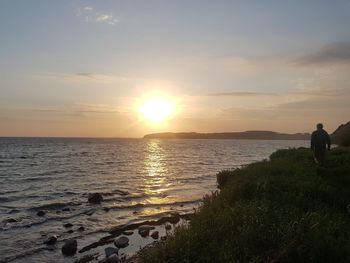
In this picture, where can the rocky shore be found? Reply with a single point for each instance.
(119, 244)
(285, 209)
(118, 235)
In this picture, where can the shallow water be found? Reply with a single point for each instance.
(139, 180)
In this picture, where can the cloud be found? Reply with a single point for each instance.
(89, 14)
(84, 76)
(76, 109)
(319, 92)
(241, 94)
(316, 104)
(94, 76)
(333, 53)
(106, 18)
(88, 8)
(308, 111)
(94, 108)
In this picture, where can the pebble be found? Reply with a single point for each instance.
(70, 247)
(51, 240)
(155, 235)
(128, 233)
(68, 225)
(121, 242)
(143, 232)
(95, 198)
(40, 213)
(11, 220)
(90, 213)
(146, 227)
(109, 251)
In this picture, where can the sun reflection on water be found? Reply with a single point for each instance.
(156, 182)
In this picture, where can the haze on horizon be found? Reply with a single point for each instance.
(85, 68)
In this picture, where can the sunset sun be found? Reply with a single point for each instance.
(156, 110)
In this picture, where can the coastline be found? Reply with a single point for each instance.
(120, 202)
(246, 135)
(266, 192)
(286, 209)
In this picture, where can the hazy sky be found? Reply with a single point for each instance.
(80, 68)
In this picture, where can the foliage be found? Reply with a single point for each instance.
(286, 209)
(345, 141)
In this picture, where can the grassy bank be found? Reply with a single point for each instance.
(285, 209)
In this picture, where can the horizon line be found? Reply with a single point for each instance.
(142, 137)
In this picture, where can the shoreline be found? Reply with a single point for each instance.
(268, 211)
(122, 229)
(137, 240)
(122, 205)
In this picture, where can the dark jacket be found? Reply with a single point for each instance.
(319, 139)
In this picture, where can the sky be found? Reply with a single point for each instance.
(83, 68)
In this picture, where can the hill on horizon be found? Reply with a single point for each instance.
(341, 135)
(259, 135)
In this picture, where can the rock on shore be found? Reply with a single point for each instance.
(121, 242)
(109, 251)
(95, 198)
(70, 247)
(144, 230)
(51, 240)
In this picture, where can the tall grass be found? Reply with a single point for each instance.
(285, 209)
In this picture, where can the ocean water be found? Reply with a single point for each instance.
(139, 180)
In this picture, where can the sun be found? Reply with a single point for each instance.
(157, 109)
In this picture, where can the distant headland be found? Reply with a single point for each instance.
(257, 135)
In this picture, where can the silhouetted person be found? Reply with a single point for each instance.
(320, 141)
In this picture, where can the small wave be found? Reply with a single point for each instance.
(8, 206)
(37, 178)
(4, 199)
(119, 192)
(23, 254)
(205, 163)
(114, 199)
(6, 192)
(147, 205)
(127, 198)
(18, 198)
(134, 197)
(53, 206)
(37, 250)
(77, 154)
(26, 224)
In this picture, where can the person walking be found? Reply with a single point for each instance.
(320, 141)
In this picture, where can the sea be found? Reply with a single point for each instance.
(139, 179)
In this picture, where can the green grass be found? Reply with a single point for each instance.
(285, 209)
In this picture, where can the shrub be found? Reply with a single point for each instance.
(283, 210)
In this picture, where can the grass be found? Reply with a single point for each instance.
(285, 209)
